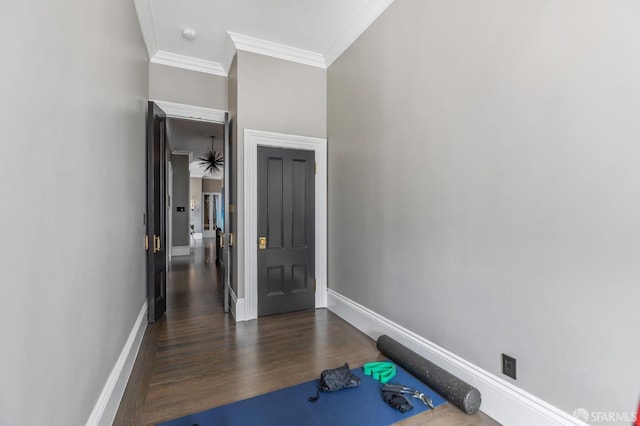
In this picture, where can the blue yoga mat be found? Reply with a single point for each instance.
(289, 407)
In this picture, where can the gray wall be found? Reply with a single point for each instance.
(281, 96)
(277, 96)
(181, 198)
(483, 186)
(187, 87)
(211, 185)
(195, 194)
(72, 271)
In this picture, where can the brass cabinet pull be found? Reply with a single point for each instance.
(156, 243)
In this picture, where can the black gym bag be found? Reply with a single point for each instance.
(336, 379)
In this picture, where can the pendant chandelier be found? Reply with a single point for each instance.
(212, 161)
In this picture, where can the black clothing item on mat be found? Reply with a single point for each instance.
(336, 379)
(397, 401)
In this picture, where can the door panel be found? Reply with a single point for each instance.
(286, 198)
(299, 282)
(275, 281)
(156, 213)
(299, 202)
(275, 200)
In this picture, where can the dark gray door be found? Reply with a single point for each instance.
(226, 214)
(156, 212)
(286, 230)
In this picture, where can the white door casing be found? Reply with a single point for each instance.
(253, 139)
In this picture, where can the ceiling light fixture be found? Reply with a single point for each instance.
(188, 33)
(212, 161)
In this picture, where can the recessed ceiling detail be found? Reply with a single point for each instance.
(305, 31)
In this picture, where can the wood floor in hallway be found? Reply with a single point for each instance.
(203, 359)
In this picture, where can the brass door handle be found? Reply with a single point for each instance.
(262, 243)
(230, 239)
(156, 243)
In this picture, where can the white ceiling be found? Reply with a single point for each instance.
(315, 32)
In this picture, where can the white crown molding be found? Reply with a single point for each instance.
(506, 403)
(188, 63)
(358, 25)
(145, 18)
(276, 50)
(229, 53)
(157, 56)
(191, 112)
(235, 41)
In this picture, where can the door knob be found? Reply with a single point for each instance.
(262, 243)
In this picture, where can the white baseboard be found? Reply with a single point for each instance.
(180, 251)
(501, 400)
(237, 307)
(107, 405)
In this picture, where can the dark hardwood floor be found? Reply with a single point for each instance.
(203, 359)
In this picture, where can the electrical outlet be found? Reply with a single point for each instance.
(509, 366)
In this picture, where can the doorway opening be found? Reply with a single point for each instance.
(194, 204)
(211, 214)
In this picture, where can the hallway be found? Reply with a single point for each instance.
(204, 359)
